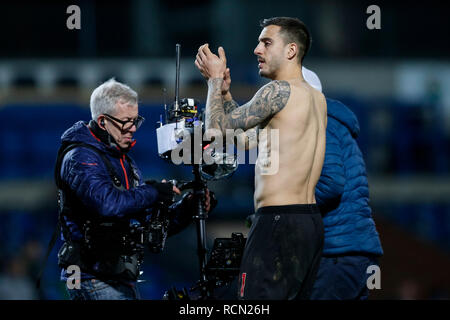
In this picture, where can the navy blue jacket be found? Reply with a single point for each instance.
(84, 172)
(342, 191)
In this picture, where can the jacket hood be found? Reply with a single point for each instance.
(344, 115)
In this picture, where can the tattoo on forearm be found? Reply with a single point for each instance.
(269, 100)
(214, 104)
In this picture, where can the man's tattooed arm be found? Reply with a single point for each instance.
(269, 100)
(249, 138)
(229, 106)
(214, 104)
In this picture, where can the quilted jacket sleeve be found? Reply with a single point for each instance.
(85, 173)
(330, 186)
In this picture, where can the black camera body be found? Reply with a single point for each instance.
(128, 238)
(221, 269)
(158, 229)
(225, 258)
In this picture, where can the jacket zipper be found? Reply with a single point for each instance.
(124, 171)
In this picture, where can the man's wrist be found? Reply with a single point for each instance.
(227, 96)
(215, 81)
(215, 78)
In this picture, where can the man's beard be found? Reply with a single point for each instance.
(270, 72)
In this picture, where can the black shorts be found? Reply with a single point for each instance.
(282, 253)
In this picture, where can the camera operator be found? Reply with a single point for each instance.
(104, 203)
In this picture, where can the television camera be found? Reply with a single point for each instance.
(181, 136)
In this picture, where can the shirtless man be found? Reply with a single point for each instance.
(285, 241)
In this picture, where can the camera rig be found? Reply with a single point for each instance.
(183, 124)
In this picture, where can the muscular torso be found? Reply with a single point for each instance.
(287, 172)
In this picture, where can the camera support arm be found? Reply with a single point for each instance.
(198, 185)
(200, 220)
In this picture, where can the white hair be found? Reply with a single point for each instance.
(105, 97)
(312, 78)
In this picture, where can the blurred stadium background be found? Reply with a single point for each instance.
(396, 80)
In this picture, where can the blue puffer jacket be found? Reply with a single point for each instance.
(342, 191)
(84, 171)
